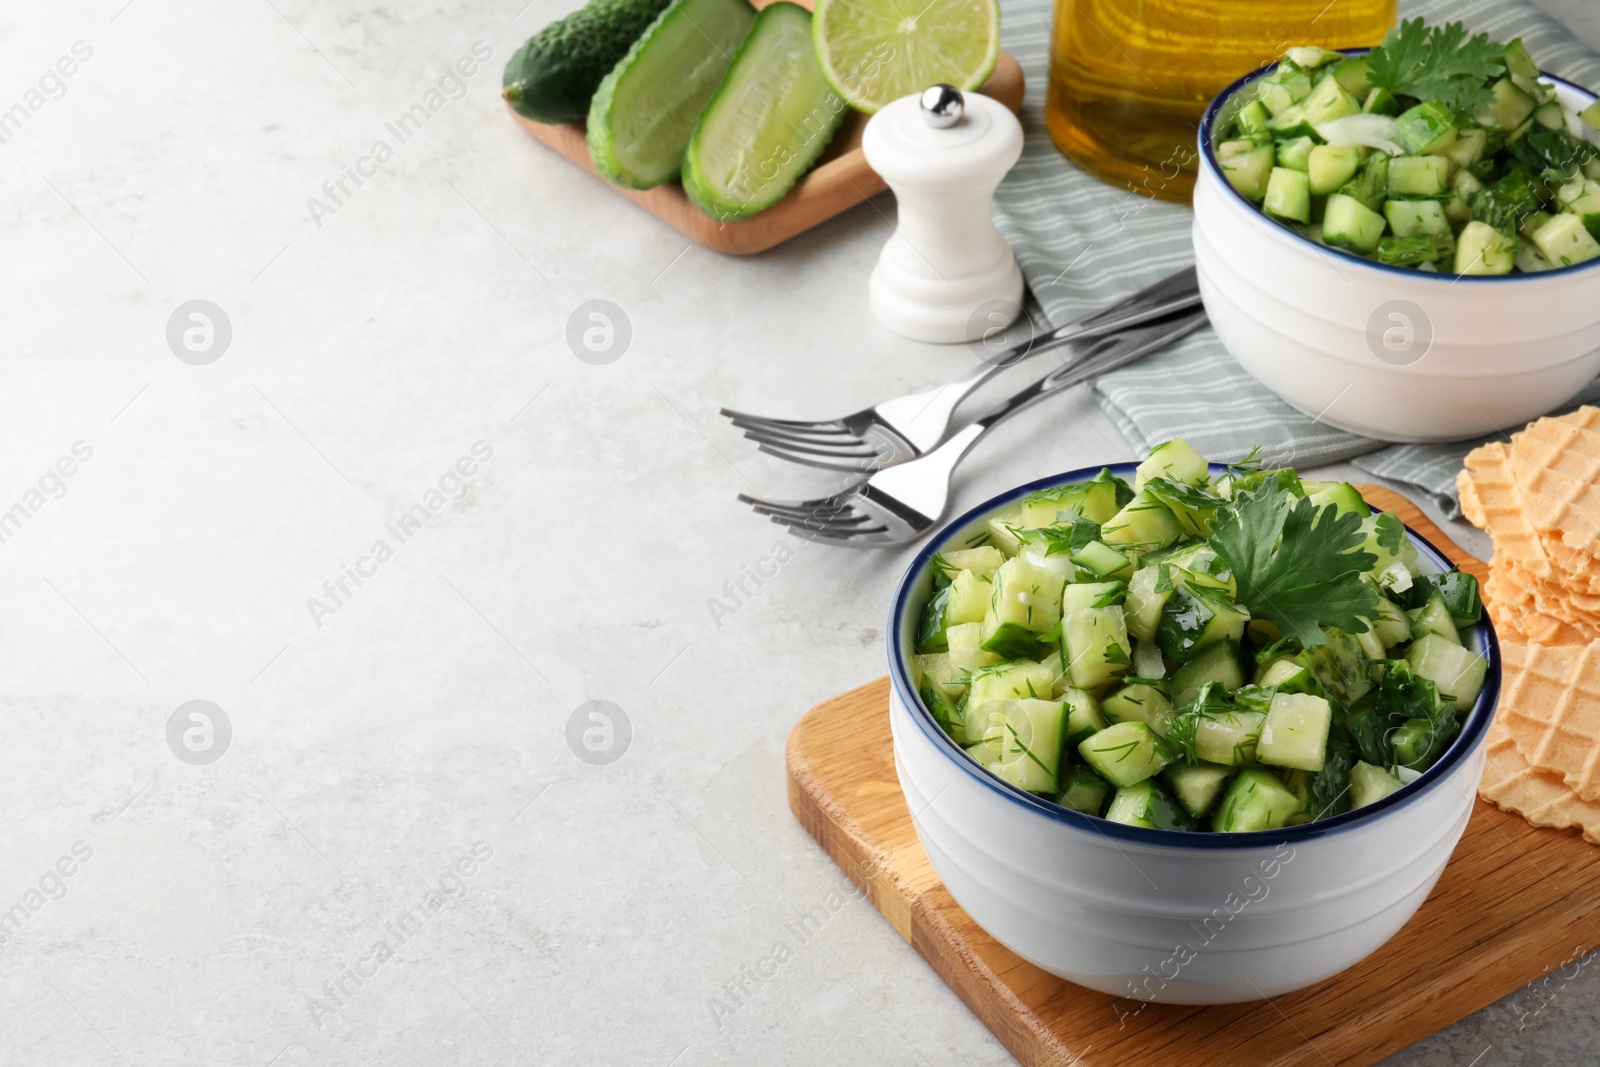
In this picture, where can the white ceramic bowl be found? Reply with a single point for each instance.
(1388, 352)
(1164, 915)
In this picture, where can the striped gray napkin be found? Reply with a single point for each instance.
(1083, 243)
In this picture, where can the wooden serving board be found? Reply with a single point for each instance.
(1510, 907)
(840, 180)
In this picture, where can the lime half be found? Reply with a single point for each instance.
(876, 51)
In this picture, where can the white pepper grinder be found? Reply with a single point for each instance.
(946, 276)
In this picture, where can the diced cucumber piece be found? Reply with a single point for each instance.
(1174, 460)
(982, 561)
(1284, 88)
(1380, 102)
(1027, 595)
(1142, 609)
(1100, 560)
(944, 708)
(1461, 596)
(1195, 619)
(1482, 249)
(1288, 676)
(1518, 61)
(1237, 146)
(1434, 618)
(1094, 642)
(1392, 626)
(1290, 125)
(1585, 204)
(1425, 127)
(1147, 804)
(1248, 172)
(1029, 734)
(1352, 74)
(966, 647)
(1002, 527)
(1085, 791)
(1228, 737)
(1125, 753)
(1139, 702)
(1564, 241)
(1328, 100)
(1467, 148)
(1550, 115)
(938, 670)
(1288, 195)
(1409, 218)
(1011, 641)
(1455, 671)
(1256, 800)
(1147, 661)
(969, 599)
(1369, 784)
(1009, 681)
(1252, 118)
(1095, 500)
(1085, 595)
(1591, 115)
(1295, 733)
(1219, 663)
(1144, 521)
(1350, 224)
(1530, 260)
(1330, 166)
(1372, 185)
(1197, 786)
(1418, 743)
(1371, 646)
(1296, 154)
(1418, 175)
(1084, 717)
(1340, 665)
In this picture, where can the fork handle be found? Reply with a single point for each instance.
(1171, 295)
(1110, 354)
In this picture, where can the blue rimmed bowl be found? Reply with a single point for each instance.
(1164, 915)
(1387, 352)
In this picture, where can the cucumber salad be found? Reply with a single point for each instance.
(1229, 652)
(1435, 151)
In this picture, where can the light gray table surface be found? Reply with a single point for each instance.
(401, 767)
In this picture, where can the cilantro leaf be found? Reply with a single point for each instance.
(1295, 565)
(1437, 63)
(1390, 531)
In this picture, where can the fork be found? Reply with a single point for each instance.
(909, 426)
(901, 503)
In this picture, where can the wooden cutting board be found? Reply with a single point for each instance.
(1510, 907)
(840, 180)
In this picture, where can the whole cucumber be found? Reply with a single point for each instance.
(554, 75)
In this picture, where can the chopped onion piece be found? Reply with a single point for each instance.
(1372, 131)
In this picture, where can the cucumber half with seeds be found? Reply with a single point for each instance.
(643, 114)
(770, 120)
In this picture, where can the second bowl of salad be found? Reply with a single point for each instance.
(1188, 733)
(1405, 255)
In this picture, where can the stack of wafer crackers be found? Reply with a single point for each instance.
(1538, 496)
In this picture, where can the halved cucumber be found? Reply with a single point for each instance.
(771, 118)
(643, 114)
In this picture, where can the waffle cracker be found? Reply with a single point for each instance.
(1555, 464)
(1539, 796)
(1490, 500)
(1550, 704)
(1518, 618)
